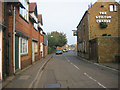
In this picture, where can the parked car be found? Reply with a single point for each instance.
(59, 52)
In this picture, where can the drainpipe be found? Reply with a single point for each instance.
(14, 39)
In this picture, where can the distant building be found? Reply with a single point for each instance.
(98, 31)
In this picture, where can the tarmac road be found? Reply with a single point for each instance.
(68, 71)
(64, 71)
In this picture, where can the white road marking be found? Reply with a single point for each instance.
(71, 63)
(94, 80)
(76, 67)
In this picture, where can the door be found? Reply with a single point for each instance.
(33, 52)
(16, 53)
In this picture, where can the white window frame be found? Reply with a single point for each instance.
(24, 12)
(22, 48)
(113, 7)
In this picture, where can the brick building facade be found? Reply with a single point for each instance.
(21, 42)
(100, 20)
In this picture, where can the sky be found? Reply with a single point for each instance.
(62, 15)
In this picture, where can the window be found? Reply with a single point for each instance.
(113, 8)
(24, 11)
(36, 47)
(35, 26)
(23, 46)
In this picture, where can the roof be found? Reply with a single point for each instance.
(82, 18)
(32, 7)
(40, 19)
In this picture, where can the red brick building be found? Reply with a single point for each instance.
(40, 27)
(34, 31)
(20, 36)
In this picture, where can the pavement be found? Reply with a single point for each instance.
(23, 78)
(112, 65)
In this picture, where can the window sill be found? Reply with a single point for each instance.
(24, 54)
(36, 52)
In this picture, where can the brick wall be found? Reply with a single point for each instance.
(83, 35)
(24, 27)
(112, 27)
(35, 34)
(107, 48)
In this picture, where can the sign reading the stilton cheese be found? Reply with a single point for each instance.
(103, 18)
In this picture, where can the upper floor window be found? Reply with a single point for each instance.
(113, 7)
(24, 11)
(35, 26)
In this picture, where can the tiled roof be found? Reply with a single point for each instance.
(32, 6)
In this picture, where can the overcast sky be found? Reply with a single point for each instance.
(62, 15)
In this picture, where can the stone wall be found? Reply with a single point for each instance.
(107, 48)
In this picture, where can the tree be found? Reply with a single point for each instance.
(56, 39)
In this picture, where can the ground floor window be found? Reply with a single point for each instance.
(23, 45)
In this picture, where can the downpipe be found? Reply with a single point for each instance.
(14, 39)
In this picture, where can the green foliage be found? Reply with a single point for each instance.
(56, 39)
(104, 34)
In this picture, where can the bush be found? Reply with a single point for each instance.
(104, 34)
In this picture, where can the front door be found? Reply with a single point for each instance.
(16, 53)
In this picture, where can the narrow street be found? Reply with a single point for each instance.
(67, 71)
(70, 72)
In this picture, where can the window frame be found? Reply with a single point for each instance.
(22, 47)
(24, 13)
(114, 8)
